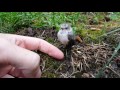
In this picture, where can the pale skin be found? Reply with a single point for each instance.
(17, 59)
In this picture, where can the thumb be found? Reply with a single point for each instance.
(24, 60)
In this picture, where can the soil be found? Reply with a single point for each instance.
(84, 61)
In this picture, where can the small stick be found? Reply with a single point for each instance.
(113, 71)
(42, 33)
(85, 62)
(73, 73)
(73, 64)
(59, 67)
(81, 68)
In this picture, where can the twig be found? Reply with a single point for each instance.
(113, 71)
(59, 67)
(118, 29)
(73, 73)
(92, 75)
(43, 67)
(64, 75)
(85, 62)
(42, 33)
(94, 25)
(55, 40)
(47, 69)
(93, 14)
(81, 68)
(72, 63)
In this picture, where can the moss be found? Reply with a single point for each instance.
(90, 36)
(50, 40)
(49, 74)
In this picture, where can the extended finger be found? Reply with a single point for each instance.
(35, 44)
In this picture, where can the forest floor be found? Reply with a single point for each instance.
(86, 58)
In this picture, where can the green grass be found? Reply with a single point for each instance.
(39, 19)
(10, 21)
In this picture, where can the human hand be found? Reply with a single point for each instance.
(17, 59)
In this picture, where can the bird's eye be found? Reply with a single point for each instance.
(66, 28)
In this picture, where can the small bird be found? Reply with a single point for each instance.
(66, 35)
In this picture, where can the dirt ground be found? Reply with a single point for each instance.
(85, 60)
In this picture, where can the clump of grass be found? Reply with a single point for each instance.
(50, 40)
(10, 21)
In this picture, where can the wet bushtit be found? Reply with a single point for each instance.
(66, 35)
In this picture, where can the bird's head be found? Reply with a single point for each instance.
(65, 27)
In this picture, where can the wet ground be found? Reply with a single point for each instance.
(84, 61)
